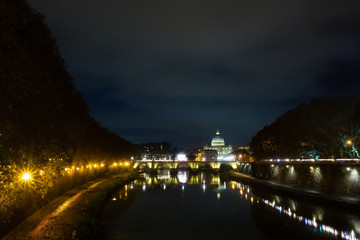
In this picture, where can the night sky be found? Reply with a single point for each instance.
(177, 71)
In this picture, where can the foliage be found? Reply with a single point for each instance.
(45, 123)
(319, 129)
(8, 191)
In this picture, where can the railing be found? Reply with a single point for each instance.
(313, 160)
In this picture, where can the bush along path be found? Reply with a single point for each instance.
(74, 215)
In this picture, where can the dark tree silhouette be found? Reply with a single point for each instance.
(319, 129)
(42, 115)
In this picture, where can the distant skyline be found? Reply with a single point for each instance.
(177, 71)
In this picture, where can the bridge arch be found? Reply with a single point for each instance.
(205, 166)
(163, 166)
(142, 166)
(226, 167)
(183, 165)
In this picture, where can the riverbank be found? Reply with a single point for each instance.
(337, 200)
(73, 215)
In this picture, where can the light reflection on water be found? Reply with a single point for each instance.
(319, 222)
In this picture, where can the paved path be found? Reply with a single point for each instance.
(59, 219)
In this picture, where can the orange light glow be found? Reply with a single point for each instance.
(26, 176)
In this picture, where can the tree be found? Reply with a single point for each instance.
(314, 130)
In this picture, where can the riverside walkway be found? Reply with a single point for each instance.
(60, 218)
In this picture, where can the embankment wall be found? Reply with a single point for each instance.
(331, 177)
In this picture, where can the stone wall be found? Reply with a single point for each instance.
(331, 177)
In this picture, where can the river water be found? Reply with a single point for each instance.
(202, 206)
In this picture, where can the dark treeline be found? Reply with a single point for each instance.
(323, 128)
(42, 115)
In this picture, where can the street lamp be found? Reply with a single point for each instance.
(26, 176)
(353, 149)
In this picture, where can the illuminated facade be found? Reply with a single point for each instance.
(218, 144)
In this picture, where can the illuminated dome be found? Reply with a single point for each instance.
(217, 141)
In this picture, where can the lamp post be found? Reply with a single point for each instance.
(350, 144)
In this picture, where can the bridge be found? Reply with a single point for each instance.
(175, 164)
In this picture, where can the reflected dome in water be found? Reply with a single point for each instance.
(182, 177)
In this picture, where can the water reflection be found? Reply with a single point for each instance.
(181, 177)
(231, 206)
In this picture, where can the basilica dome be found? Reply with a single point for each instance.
(217, 141)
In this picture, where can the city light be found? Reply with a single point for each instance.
(26, 176)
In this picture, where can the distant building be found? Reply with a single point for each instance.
(157, 151)
(207, 155)
(218, 144)
(243, 154)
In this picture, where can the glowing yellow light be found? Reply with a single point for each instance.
(102, 165)
(126, 163)
(26, 176)
(349, 142)
(95, 165)
(77, 168)
(66, 169)
(115, 164)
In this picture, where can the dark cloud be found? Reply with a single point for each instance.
(178, 70)
(341, 77)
